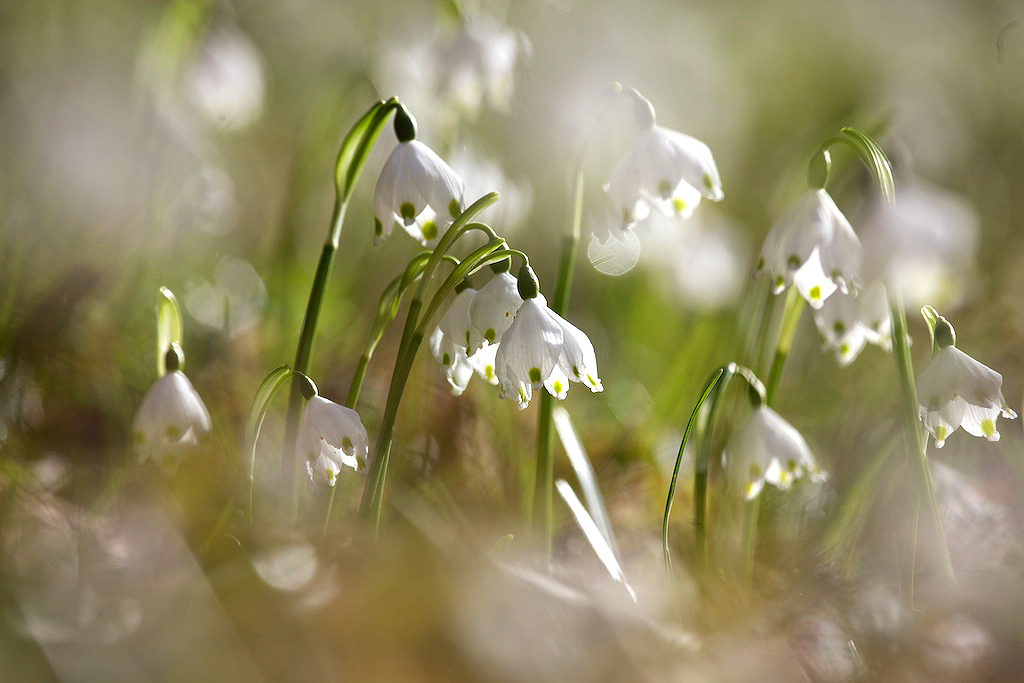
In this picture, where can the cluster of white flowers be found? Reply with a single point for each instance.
(508, 335)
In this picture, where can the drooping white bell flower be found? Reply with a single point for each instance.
(848, 322)
(416, 189)
(540, 349)
(665, 169)
(477, 65)
(449, 343)
(955, 390)
(812, 247)
(170, 419)
(766, 448)
(331, 436)
(492, 310)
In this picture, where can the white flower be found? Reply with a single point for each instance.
(331, 436)
(541, 349)
(849, 322)
(418, 191)
(226, 81)
(957, 391)
(492, 310)
(450, 341)
(812, 247)
(766, 448)
(170, 420)
(666, 169)
(477, 65)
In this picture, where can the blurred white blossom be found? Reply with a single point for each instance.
(233, 303)
(225, 81)
(766, 448)
(170, 421)
(848, 322)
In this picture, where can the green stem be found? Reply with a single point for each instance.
(916, 444)
(412, 335)
(787, 330)
(351, 158)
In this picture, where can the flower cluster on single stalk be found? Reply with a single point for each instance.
(509, 336)
(171, 418)
(955, 390)
(416, 188)
(767, 449)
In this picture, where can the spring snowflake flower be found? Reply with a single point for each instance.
(665, 169)
(449, 343)
(848, 323)
(331, 436)
(416, 189)
(813, 248)
(540, 348)
(170, 420)
(955, 390)
(766, 448)
(492, 310)
(477, 65)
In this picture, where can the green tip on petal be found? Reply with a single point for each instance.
(988, 428)
(535, 375)
(679, 204)
(346, 444)
(454, 208)
(557, 386)
(815, 292)
(407, 211)
(489, 335)
(429, 230)
(378, 227)
(708, 182)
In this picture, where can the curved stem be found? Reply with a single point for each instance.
(700, 480)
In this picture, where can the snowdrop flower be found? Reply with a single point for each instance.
(849, 322)
(416, 188)
(330, 436)
(540, 348)
(171, 417)
(477, 65)
(955, 390)
(665, 169)
(493, 308)
(766, 448)
(449, 343)
(813, 248)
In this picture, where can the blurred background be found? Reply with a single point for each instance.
(191, 144)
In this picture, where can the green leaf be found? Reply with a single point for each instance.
(356, 146)
(584, 474)
(260, 405)
(931, 318)
(875, 159)
(168, 326)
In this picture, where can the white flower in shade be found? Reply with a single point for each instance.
(766, 448)
(331, 436)
(955, 390)
(449, 343)
(477, 65)
(813, 248)
(849, 322)
(170, 420)
(416, 189)
(226, 81)
(665, 169)
(492, 310)
(539, 349)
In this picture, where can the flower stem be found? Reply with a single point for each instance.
(916, 444)
(787, 330)
(351, 158)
